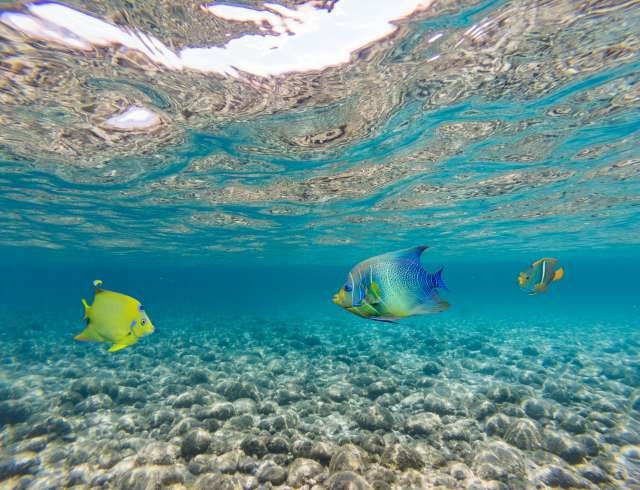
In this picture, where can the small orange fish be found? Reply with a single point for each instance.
(536, 279)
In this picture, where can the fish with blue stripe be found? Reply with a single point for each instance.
(539, 275)
(392, 286)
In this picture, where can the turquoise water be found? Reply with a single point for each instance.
(227, 165)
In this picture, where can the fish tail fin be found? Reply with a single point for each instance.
(439, 282)
(87, 309)
(432, 304)
(559, 274)
(87, 335)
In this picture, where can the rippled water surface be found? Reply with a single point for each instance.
(334, 126)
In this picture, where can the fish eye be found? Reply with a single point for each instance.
(143, 321)
(347, 288)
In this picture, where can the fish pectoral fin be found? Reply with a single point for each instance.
(88, 335)
(374, 294)
(559, 274)
(355, 311)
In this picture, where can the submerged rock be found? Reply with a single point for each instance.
(220, 411)
(536, 409)
(499, 461)
(126, 475)
(594, 474)
(302, 471)
(402, 457)
(461, 430)
(565, 447)
(271, 472)
(160, 453)
(218, 482)
(162, 417)
(572, 422)
(423, 424)
(94, 403)
(94, 386)
(347, 458)
(375, 418)
(195, 442)
(524, 434)
(555, 476)
(14, 412)
(234, 390)
(497, 425)
(277, 445)
(431, 368)
(19, 464)
(347, 480)
(254, 446)
(438, 405)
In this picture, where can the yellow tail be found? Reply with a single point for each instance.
(559, 274)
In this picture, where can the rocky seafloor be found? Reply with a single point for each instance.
(249, 403)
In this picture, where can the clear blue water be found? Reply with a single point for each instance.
(237, 199)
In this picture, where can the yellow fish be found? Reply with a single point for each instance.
(539, 275)
(115, 318)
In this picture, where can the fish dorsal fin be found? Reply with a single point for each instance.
(96, 284)
(411, 254)
(544, 259)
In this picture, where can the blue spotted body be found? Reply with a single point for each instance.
(392, 286)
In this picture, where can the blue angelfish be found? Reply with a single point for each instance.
(392, 286)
